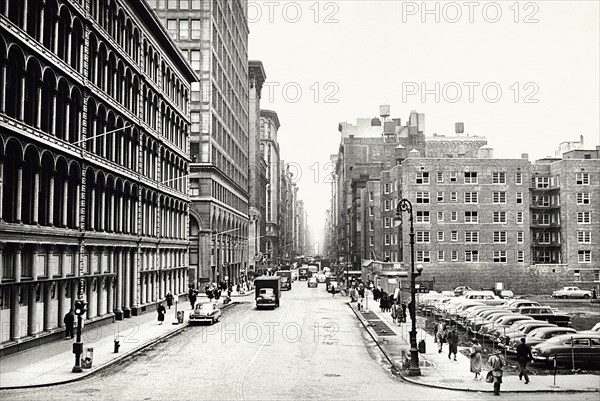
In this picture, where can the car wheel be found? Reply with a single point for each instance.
(564, 297)
(586, 296)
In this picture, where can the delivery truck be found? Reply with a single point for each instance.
(268, 291)
(286, 279)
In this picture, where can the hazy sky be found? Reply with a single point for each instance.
(525, 75)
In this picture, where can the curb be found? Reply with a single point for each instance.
(398, 369)
(113, 361)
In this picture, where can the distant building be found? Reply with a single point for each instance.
(478, 220)
(568, 146)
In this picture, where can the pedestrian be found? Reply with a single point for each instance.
(440, 335)
(403, 317)
(161, 313)
(496, 363)
(217, 294)
(360, 304)
(475, 354)
(594, 294)
(523, 358)
(376, 294)
(333, 290)
(452, 343)
(396, 311)
(169, 299)
(238, 288)
(193, 296)
(69, 321)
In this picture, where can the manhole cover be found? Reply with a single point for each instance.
(331, 375)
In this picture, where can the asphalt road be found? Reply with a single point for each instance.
(311, 347)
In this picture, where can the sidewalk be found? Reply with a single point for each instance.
(51, 363)
(439, 371)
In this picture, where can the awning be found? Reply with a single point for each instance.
(366, 263)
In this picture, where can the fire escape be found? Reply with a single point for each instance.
(545, 222)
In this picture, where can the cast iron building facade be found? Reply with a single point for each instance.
(104, 216)
(257, 171)
(213, 36)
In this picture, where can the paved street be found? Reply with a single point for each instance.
(312, 347)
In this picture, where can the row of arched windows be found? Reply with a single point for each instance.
(41, 99)
(58, 29)
(40, 188)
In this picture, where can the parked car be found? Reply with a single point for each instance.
(486, 297)
(461, 289)
(583, 348)
(504, 323)
(572, 292)
(501, 322)
(545, 313)
(538, 336)
(206, 312)
(505, 294)
(515, 304)
(312, 282)
(521, 329)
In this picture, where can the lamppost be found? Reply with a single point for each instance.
(405, 206)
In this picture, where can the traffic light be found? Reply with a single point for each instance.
(80, 307)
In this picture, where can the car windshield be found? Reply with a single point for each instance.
(205, 307)
(266, 291)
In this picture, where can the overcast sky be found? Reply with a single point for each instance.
(525, 76)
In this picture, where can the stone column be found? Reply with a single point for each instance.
(119, 297)
(47, 304)
(127, 283)
(135, 287)
(22, 105)
(3, 87)
(38, 120)
(65, 202)
(51, 201)
(92, 208)
(102, 210)
(19, 194)
(15, 309)
(32, 315)
(110, 282)
(1, 194)
(36, 197)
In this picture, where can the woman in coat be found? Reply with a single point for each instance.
(169, 299)
(161, 313)
(475, 353)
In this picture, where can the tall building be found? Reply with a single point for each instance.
(366, 149)
(257, 171)
(269, 126)
(213, 36)
(94, 125)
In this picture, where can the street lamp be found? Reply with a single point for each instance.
(405, 206)
(80, 309)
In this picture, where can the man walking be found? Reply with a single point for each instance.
(452, 343)
(523, 357)
(69, 321)
(496, 363)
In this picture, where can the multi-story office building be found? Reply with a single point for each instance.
(269, 126)
(94, 126)
(213, 36)
(257, 170)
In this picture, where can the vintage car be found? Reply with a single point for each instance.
(582, 348)
(321, 278)
(572, 292)
(207, 312)
(521, 329)
(312, 282)
(461, 289)
(595, 329)
(546, 314)
(538, 336)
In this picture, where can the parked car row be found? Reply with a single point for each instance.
(505, 322)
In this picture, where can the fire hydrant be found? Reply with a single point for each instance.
(117, 345)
